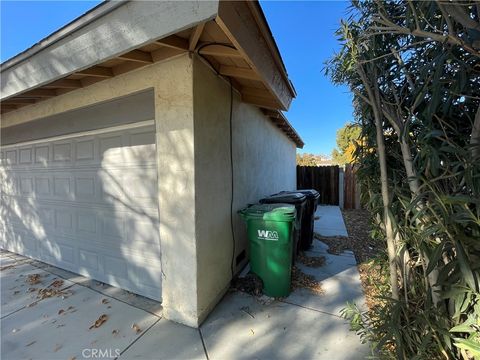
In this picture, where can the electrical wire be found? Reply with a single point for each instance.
(232, 182)
(232, 227)
(208, 61)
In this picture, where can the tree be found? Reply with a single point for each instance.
(414, 70)
(308, 159)
(347, 140)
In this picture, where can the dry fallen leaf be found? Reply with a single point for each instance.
(56, 284)
(47, 293)
(311, 261)
(99, 322)
(61, 311)
(302, 280)
(33, 279)
(105, 301)
(136, 328)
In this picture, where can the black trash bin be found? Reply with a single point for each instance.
(308, 220)
(294, 198)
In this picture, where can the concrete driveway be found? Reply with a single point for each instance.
(48, 313)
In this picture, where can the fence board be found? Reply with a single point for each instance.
(351, 193)
(324, 179)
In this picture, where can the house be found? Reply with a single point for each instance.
(132, 136)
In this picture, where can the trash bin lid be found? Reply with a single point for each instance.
(274, 212)
(309, 193)
(285, 197)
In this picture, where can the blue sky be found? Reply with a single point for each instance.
(304, 32)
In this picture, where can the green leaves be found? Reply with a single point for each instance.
(429, 92)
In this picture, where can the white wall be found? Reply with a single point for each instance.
(263, 163)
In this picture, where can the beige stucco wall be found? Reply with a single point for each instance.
(212, 185)
(192, 107)
(263, 163)
(172, 84)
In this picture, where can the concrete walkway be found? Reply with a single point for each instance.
(330, 222)
(305, 325)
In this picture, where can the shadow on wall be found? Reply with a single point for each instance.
(96, 216)
(87, 204)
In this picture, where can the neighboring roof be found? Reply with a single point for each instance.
(117, 37)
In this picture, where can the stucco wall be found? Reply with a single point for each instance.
(212, 185)
(263, 163)
(192, 108)
(172, 84)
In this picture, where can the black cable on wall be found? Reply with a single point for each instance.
(232, 228)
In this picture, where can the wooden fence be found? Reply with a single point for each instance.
(327, 180)
(324, 179)
(351, 191)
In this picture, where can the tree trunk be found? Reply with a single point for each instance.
(391, 248)
(414, 186)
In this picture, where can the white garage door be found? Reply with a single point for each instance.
(86, 203)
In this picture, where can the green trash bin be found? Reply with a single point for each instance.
(270, 234)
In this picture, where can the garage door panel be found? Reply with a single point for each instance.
(89, 260)
(42, 155)
(113, 226)
(19, 241)
(139, 234)
(86, 222)
(87, 204)
(11, 157)
(57, 251)
(85, 151)
(62, 153)
(86, 187)
(64, 221)
(111, 150)
(9, 183)
(43, 185)
(25, 185)
(25, 156)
